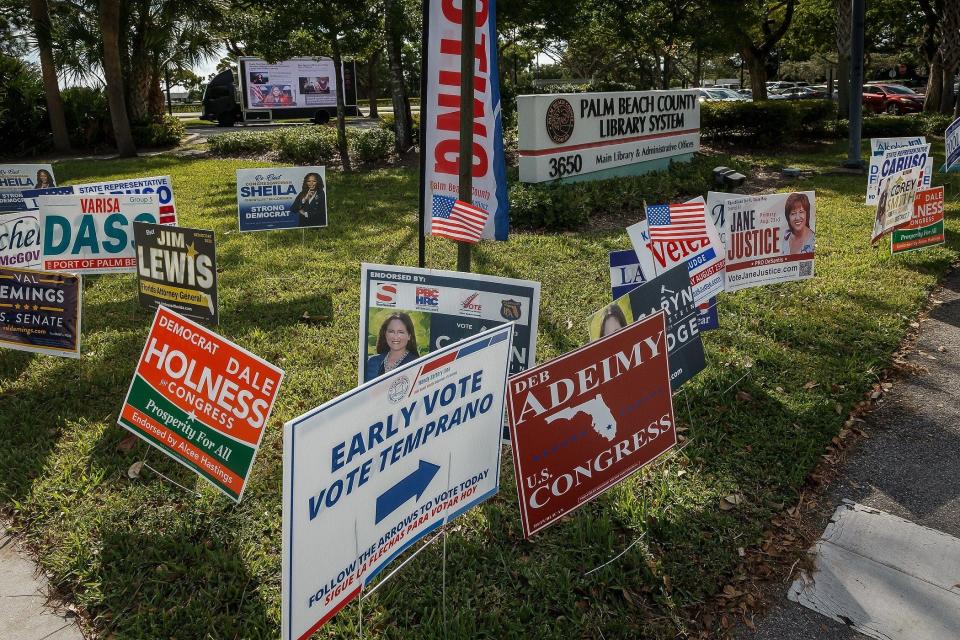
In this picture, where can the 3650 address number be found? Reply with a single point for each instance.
(565, 166)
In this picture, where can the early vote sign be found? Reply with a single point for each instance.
(201, 399)
(93, 234)
(40, 312)
(371, 472)
(177, 267)
(584, 422)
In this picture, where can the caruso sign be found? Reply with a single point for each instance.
(564, 135)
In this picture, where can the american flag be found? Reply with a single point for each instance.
(685, 221)
(257, 94)
(457, 220)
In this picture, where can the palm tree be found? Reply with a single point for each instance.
(113, 72)
(40, 13)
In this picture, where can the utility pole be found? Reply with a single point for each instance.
(467, 51)
(853, 160)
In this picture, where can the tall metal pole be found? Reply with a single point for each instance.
(467, 49)
(853, 160)
(424, 119)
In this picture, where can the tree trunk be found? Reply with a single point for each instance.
(157, 99)
(947, 96)
(667, 71)
(372, 91)
(758, 73)
(113, 74)
(950, 54)
(843, 14)
(40, 12)
(138, 89)
(402, 117)
(934, 85)
(843, 86)
(341, 107)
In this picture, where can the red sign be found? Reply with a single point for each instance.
(585, 421)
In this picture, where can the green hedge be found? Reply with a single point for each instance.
(387, 120)
(305, 144)
(562, 207)
(765, 123)
(163, 132)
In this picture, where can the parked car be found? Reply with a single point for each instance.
(777, 85)
(894, 99)
(746, 93)
(729, 94)
(822, 88)
(797, 93)
(714, 95)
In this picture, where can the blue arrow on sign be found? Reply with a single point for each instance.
(413, 485)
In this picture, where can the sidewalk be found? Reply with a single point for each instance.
(24, 610)
(909, 466)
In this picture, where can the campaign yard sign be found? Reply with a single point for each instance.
(584, 422)
(15, 178)
(371, 472)
(770, 238)
(201, 399)
(21, 240)
(93, 234)
(672, 293)
(40, 311)
(627, 273)
(913, 152)
(161, 186)
(281, 198)
(951, 140)
(442, 307)
(177, 267)
(897, 190)
(925, 228)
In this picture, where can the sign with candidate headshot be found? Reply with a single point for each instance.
(177, 267)
(282, 198)
(408, 312)
(369, 473)
(673, 293)
(40, 312)
(16, 178)
(770, 238)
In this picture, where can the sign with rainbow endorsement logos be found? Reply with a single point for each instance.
(201, 399)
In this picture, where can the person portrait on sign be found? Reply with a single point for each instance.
(396, 344)
(277, 97)
(613, 320)
(44, 180)
(310, 203)
(799, 237)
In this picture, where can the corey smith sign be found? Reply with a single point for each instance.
(570, 134)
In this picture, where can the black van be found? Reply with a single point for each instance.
(221, 101)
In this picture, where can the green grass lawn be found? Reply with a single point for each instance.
(146, 559)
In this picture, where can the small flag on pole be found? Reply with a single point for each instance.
(685, 221)
(457, 220)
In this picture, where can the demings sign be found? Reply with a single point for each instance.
(573, 134)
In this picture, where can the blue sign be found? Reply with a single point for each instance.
(281, 198)
(951, 141)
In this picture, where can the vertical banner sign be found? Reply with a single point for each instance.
(588, 420)
(440, 116)
(770, 238)
(435, 308)
(177, 267)
(371, 472)
(925, 228)
(40, 312)
(159, 185)
(672, 293)
(879, 169)
(201, 399)
(282, 198)
(93, 234)
(951, 140)
(15, 178)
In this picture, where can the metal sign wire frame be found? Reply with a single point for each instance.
(164, 477)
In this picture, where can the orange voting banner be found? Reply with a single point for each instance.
(201, 399)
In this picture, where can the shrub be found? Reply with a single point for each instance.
(373, 145)
(765, 123)
(24, 126)
(164, 132)
(387, 122)
(935, 124)
(87, 116)
(307, 145)
(561, 207)
(243, 143)
(884, 126)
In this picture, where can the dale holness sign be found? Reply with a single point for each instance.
(571, 134)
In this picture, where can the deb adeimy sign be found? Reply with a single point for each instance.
(369, 473)
(590, 136)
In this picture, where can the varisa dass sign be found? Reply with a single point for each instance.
(571, 134)
(582, 423)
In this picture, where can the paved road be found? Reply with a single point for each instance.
(24, 612)
(910, 464)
